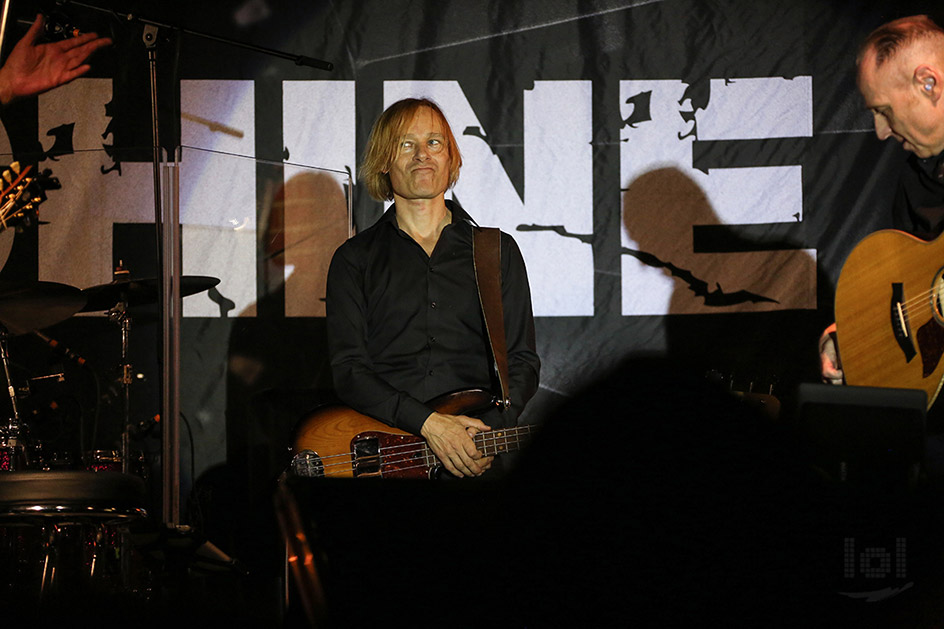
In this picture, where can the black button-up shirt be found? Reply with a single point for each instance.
(919, 201)
(404, 327)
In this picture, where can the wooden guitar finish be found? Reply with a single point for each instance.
(23, 190)
(889, 313)
(337, 441)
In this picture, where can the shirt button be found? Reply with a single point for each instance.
(432, 340)
(430, 372)
(433, 305)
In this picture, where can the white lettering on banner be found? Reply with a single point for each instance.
(665, 196)
(558, 190)
(218, 192)
(318, 129)
(75, 247)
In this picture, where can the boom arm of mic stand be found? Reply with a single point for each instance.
(299, 60)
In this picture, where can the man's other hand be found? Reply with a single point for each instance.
(830, 365)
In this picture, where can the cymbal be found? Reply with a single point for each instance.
(27, 306)
(140, 292)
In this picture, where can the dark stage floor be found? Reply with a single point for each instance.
(688, 507)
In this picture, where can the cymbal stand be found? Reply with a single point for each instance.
(10, 434)
(169, 255)
(119, 315)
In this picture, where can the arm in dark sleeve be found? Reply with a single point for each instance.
(524, 365)
(355, 380)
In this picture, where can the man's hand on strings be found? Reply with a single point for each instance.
(33, 68)
(450, 439)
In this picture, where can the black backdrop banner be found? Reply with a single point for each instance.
(684, 178)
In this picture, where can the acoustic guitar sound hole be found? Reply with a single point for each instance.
(937, 297)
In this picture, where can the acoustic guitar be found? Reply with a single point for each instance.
(22, 190)
(337, 441)
(890, 313)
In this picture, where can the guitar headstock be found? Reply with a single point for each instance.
(24, 189)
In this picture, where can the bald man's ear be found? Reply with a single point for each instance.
(928, 81)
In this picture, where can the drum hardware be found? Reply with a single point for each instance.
(12, 453)
(116, 298)
(59, 348)
(113, 461)
(59, 377)
(10, 435)
(45, 460)
(24, 307)
(119, 315)
(103, 461)
(49, 425)
(145, 426)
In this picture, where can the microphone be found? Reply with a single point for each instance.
(58, 27)
(62, 349)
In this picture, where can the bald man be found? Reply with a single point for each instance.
(901, 77)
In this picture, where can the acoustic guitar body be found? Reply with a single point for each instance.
(889, 319)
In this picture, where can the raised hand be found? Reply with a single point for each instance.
(33, 68)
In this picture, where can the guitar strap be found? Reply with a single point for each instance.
(486, 256)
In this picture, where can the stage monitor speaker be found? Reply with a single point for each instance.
(868, 436)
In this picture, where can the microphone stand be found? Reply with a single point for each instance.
(10, 436)
(4, 18)
(167, 222)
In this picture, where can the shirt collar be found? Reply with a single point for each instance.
(933, 167)
(459, 215)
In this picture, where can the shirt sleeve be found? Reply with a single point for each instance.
(355, 379)
(524, 365)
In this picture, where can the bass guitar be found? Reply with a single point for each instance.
(890, 313)
(337, 441)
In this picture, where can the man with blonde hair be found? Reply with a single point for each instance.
(404, 319)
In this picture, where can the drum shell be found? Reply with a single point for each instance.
(65, 538)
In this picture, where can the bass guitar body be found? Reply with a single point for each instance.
(337, 441)
(889, 313)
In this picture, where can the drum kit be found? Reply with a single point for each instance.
(64, 519)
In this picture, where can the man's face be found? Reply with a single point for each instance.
(420, 169)
(899, 107)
